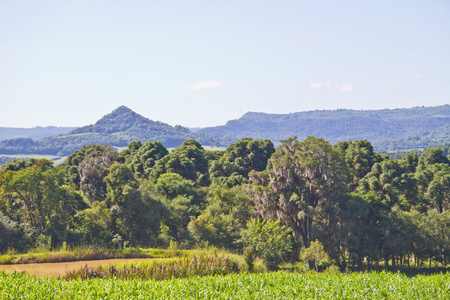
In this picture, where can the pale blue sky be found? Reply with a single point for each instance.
(201, 63)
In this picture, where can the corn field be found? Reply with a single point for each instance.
(279, 285)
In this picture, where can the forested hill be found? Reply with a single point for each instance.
(388, 130)
(123, 119)
(32, 133)
(118, 128)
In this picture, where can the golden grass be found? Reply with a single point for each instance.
(86, 253)
(60, 269)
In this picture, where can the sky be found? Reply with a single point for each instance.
(200, 63)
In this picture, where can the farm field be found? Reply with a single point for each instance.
(278, 285)
(55, 158)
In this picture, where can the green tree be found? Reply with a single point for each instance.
(33, 197)
(269, 240)
(87, 167)
(359, 229)
(187, 160)
(438, 191)
(135, 213)
(11, 237)
(19, 164)
(360, 158)
(434, 230)
(143, 159)
(299, 176)
(181, 203)
(391, 179)
(314, 254)
(242, 157)
(226, 214)
(125, 156)
(430, 157)
(96, 224)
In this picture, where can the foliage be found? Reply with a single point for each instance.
(299, 177)
(11, 237)
(315, 253)
(162, 270)
(143, 159)
(242, 157)
(118, 128)
(388, 130)
(226, 214)
(269, 240)
(360, 158)
(87, 167)
(368, 211)
(187, 160)
(82, 253)
(35, 197)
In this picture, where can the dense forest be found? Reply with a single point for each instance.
(387, 129)
(361, 207)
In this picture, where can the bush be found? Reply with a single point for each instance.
(314, 254)
(269, 240)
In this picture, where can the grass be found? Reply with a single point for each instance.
(280, 285)
(95, 253)
(210, 148)
(87, 253)
(127, 263)
(58, 270)
(203, 265)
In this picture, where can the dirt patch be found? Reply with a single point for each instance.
(60, 269)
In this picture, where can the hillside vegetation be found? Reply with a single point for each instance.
(387, 129)
(118, 128)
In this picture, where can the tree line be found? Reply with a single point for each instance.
(362, 208)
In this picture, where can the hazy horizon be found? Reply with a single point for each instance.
(198, 127)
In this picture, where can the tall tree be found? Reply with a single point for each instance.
(360, 158)
(226, 214)
(142, 158)
(242, 157)
(33, 197)
(87, 167)
(187, 160)
(299, 176)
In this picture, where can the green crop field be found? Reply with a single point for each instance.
(55, 158)
(279, 285)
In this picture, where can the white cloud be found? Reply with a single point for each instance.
(205, 85)
(316, 85)
(393, 82)
(415, 76)
(345, 88)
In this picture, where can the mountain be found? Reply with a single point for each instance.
(124, 125)
(118, 128)
(33, 133)
(387, 129)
